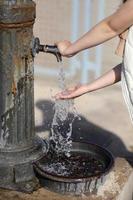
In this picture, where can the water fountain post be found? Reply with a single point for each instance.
(18, 145)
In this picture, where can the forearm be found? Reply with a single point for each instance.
(97, 35)
(105, 30)
(109, 78)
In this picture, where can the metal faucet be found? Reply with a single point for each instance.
(52, 49)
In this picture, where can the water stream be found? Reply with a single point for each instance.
(64, 115)
(62, 159)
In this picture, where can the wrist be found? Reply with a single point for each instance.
(86, 88)
(89, 88)
(70, 51)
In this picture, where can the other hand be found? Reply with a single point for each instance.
(73, 92)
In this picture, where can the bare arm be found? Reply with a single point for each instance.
(109, 78)
(103, 31)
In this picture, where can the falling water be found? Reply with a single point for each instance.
(61, 159)
(64, 116)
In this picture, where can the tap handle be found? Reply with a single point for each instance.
(37, 47)
(51, 49)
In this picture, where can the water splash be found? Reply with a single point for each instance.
(3, 137)
(64, 116)
(78, 164)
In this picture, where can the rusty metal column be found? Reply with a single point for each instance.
(18, 145)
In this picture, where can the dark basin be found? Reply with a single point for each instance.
(83, 172)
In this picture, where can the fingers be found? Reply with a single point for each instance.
(64, 95)
(69, 94)
(62, 46)
(72, 92)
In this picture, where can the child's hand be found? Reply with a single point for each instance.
(63, 46)
(72, 93)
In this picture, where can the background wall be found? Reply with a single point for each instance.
(69, 19)
(104, 116)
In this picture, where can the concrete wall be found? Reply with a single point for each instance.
(104, 114)
(69, 19)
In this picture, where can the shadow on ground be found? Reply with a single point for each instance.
(85, 131)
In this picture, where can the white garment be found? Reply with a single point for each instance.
(127, 73)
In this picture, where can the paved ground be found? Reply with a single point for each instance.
(104, 120)
(104, 116)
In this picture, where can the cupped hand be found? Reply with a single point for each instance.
(73, 92)
(63, 46)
